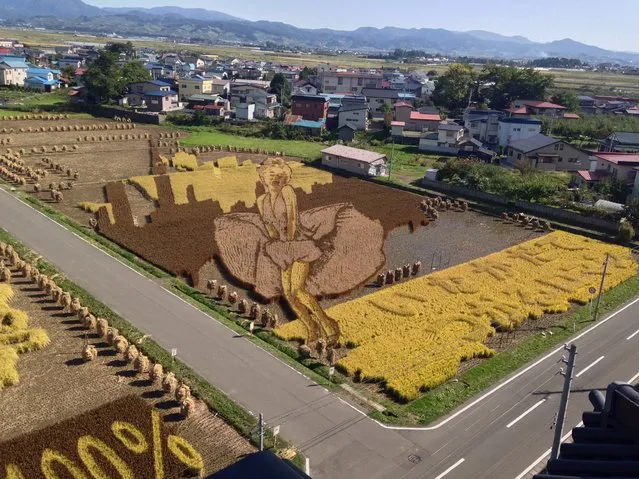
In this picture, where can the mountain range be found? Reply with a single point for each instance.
(207, 26)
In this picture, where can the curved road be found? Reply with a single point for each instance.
(497, 436)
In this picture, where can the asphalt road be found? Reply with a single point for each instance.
(497, 437)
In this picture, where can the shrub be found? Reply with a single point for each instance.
(626, 232)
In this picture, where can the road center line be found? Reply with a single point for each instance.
(450, 468)
(589, 366)
(525, 413)
(632, 335)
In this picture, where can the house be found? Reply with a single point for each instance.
(310, 107)
(13, 72)
(587, 104)
(72, 61)
(311, 127)
(621, 141)
(445, 140)
(536, 107)
(351, 83)
(214, 109)
(545, 153)
(397, 128)
(41, 84)
(220, 87)
(418, 121)
(512, 129)
(266, 105)
(304, 88)
(204, 100)
(195, 85)
(376, 97)
(483, 125)
(402, 111)
(161, 101)
(346, 132)
(138, 90)
(354, 114)
(622, 166)
(147, 86)
(354, 160)
(245, 111)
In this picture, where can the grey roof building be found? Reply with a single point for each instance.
(621, 141)
(533, 143)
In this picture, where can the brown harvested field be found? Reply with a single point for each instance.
(56, 385)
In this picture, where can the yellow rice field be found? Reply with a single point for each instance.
(413, 335)
(15, 338)
(228, 182)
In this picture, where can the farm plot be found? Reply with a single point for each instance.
(413, 336)
(97, 390)
(124, 438)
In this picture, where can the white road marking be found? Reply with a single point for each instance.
(632, 335)
(589, 366)
(450, 469)
(547, 453)
(544, 455)
(525, 413)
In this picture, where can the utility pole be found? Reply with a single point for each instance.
(563, 405)
(261, 432)
(603, 278)
(390, 166)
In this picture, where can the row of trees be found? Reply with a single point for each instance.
(590, 126)
(533, 186)
(496, 86)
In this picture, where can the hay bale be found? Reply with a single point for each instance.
(156, 373)
(89, 353)
(169, 383)
(102, 327)
(142, 364)
(132, 353)
(182, 393)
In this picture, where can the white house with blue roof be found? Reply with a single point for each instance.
(13, 71)
(42, 79)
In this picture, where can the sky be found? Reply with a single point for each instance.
(611, 24)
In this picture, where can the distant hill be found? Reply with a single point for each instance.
(192, 13)
(207, 26)
(14, 9)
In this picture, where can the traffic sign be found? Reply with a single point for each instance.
(592, 290)
(331, 371)
(174, 352)
(276, 430)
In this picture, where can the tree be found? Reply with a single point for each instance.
(507, 84)
(103, 78)
(387, 110)
(453, 87)
(134, 72)
(280, 86)
(567, 99)
(127, 48)
(307, 73)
